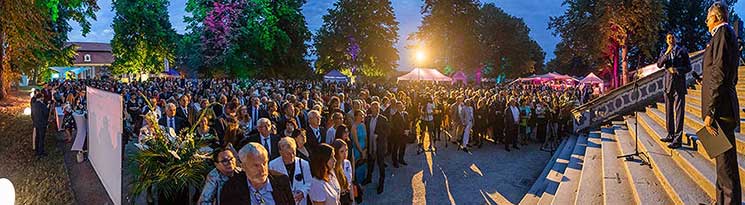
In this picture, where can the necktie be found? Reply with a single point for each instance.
(266, 144)
(318, 135)
(172, 124)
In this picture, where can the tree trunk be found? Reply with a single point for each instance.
(3, 85)
(624, 64)
(614, 81)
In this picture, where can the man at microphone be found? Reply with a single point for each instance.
(674, 59)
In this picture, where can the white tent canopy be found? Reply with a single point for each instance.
(425, 74)
(591, 79)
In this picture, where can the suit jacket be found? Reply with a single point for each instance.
(190, 115)
(509, 120)
(236, 191)
(312, 141)
(718, 95)
(181, 123)
(300, 178)
(678, 60)
(398, 123)
(273, 140)
(382, 129)
(218, 109)
(39, 114)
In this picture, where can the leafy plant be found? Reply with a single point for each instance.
(167, 165)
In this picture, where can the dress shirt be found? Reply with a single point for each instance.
(263, 196)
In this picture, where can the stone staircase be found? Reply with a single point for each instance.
(586, 170)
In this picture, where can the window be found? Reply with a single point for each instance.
(87, 58)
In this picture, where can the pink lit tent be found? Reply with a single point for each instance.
(591, 79)
(424, 74)
(459, 76)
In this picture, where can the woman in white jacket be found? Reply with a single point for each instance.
(297, 169)
(467, 123)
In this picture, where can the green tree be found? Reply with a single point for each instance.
(631, 24)
(360, 35)
(143, 36)
(505, 43)
(577, 53)
(32, 33)
(449, 33)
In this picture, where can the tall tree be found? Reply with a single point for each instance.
(685, 19)
(243, 38)
(449, 33)
(32, 33)
(506, 46)
(143, 36)
(631, 24)
(358, 35)
(577, 53)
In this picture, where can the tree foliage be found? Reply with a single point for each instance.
(505, 44)
(32, 34)
(242, 38)
(358, 35)
(143, 36)
(449, 32)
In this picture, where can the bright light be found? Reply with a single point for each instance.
(27, 111)
(7, 192)
(420, 56)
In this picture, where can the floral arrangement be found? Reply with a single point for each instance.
(166, 164)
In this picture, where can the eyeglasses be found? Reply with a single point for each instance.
(226, 161)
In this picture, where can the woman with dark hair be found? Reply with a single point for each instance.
(205, 131)
(343, 169)
(273, 111)
(300, 139)
(290, 126)
(225, 167)
(324, 187)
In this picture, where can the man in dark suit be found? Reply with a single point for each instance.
(265, 138)
(255, 110)
(289, 111)
(399, 125)
(719, 99)
(170, 120)
(40, 117)
(377, 138)
(675, 61)
(186, 111)
(315, 132)
(256, 184)
(511, 124)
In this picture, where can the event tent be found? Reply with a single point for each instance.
(426, 74)
(591, 79)
(335, 76)
(459, 76)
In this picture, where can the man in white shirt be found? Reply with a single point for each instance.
(297, 169)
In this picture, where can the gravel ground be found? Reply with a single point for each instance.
(487, 175)
(36, 181)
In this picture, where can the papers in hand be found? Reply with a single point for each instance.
(714, 145)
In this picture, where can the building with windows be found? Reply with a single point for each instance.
(92, 60)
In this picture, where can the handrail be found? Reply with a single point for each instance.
(625, 99)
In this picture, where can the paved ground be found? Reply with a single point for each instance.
(488, 175)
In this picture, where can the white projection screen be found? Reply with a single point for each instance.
(105, 138)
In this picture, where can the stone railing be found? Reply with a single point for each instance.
(627, 98)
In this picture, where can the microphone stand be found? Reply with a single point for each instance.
(643, 157)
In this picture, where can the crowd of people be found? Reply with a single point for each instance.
(310, 142)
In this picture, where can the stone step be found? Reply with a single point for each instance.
(590, 191)
(697, 94)
(617, 182)
(697, 123)
(688, 130)
(535, 191)
(567, 191)
(556, 174)
(696, 100)
(699, 169)
(680, 187)
(645, 187)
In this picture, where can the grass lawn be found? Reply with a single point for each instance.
(36, 181)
